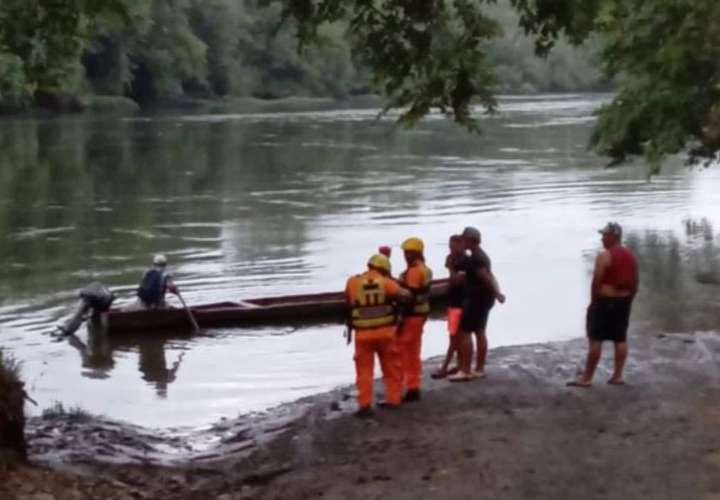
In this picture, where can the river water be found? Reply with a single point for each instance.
(252, 205)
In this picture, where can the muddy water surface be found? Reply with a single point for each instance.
(267, 204)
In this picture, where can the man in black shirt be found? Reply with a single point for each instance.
(481, 291)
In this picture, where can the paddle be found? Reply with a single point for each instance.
(190, 314)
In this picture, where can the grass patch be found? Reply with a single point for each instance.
(9, 372)
(73, 413)
(12, 415)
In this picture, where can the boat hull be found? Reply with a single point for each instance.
(298, 309)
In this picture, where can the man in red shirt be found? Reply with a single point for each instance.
(614, 285)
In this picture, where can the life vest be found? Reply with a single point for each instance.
(421, 295)
(370, 305)
(152, 287)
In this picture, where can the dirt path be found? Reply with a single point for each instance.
(518, 434)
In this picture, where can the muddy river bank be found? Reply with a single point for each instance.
(520, 433)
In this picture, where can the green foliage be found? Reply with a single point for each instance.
(433, 54)
(106, 58)
(9, 372)
(217, 23)
(14, 88)
(565, 68)
(49, 36)
(451, 54)
(206, 48)
(420, 55)
(667, 56)
(547, 20)
(12, 416)
(169, 53)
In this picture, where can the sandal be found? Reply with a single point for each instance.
(577, 383)
(461, 376)
(439, 374)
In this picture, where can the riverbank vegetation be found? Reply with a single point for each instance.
(171, 52)
(449, 55)
(12, 415)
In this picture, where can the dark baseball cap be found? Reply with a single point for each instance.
(471, 233)
(612, 228)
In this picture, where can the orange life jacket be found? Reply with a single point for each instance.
(421, 295)
(370, 305)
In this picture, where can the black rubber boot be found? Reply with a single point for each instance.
(387, 406)
(365, 412)
(412, 395)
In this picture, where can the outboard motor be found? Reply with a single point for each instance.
(95, 298)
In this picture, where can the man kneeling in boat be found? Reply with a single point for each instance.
(156, 282)
(372, 298)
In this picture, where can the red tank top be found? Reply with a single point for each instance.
(622, 272)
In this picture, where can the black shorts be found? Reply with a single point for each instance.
(475, 315)
(608, 319)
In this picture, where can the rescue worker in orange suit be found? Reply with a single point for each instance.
(417, 279)
(372, 298)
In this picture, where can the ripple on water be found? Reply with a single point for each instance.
(34, 232)
(367, 184)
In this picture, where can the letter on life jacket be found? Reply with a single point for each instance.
(152, 288)
(371, 307)
(421, 304)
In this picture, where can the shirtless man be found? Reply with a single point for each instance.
(614, 285)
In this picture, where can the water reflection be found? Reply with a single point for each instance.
(97, 355)
(679, 272)
(261, 205)
(91, 199)
(154, 367)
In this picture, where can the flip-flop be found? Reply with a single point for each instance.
(461, 377)
(453, 371)
(477, 375)
(575, 383)
(616, 382)
(438, 375)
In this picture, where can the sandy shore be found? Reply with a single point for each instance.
(520, 433)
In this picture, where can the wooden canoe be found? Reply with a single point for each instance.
(294, 309)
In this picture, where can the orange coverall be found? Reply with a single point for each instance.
(410, 339)
(380, 341)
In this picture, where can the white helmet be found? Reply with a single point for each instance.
(159, 260)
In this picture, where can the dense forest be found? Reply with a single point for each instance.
(156, 51)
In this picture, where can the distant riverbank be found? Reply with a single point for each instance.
(519, 433)
(60, 104)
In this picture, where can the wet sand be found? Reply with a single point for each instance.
(520, 433)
